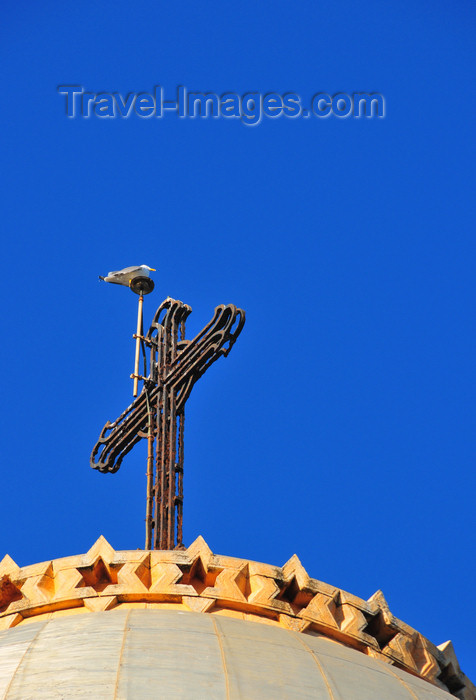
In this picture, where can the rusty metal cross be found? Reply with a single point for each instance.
(157, 414)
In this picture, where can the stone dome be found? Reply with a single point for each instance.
(134, 653)
(192, 624)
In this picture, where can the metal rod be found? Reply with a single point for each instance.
(179, 469)
(138, 338)
(150, 479)
(171, 471)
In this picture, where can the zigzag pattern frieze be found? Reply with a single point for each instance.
(201, 581)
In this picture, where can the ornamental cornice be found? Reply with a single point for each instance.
(198, 580)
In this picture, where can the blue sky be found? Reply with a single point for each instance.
(342, 425)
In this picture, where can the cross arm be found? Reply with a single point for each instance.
(215, 339)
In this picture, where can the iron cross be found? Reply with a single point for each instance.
(175, 364)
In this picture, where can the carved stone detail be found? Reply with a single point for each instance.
(196, 579)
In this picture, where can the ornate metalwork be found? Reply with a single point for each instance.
(158, 413)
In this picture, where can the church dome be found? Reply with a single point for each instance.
(140, 653)
(191, 624)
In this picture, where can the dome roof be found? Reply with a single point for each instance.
(139, 624)
(134, 653)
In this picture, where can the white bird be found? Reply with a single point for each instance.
(127, 274)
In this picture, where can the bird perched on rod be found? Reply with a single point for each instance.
(126, 275)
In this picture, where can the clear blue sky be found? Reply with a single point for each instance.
(342, 425)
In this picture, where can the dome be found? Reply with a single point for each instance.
(133, 653)
(192, 624)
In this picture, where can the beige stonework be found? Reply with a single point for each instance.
(198, 580)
